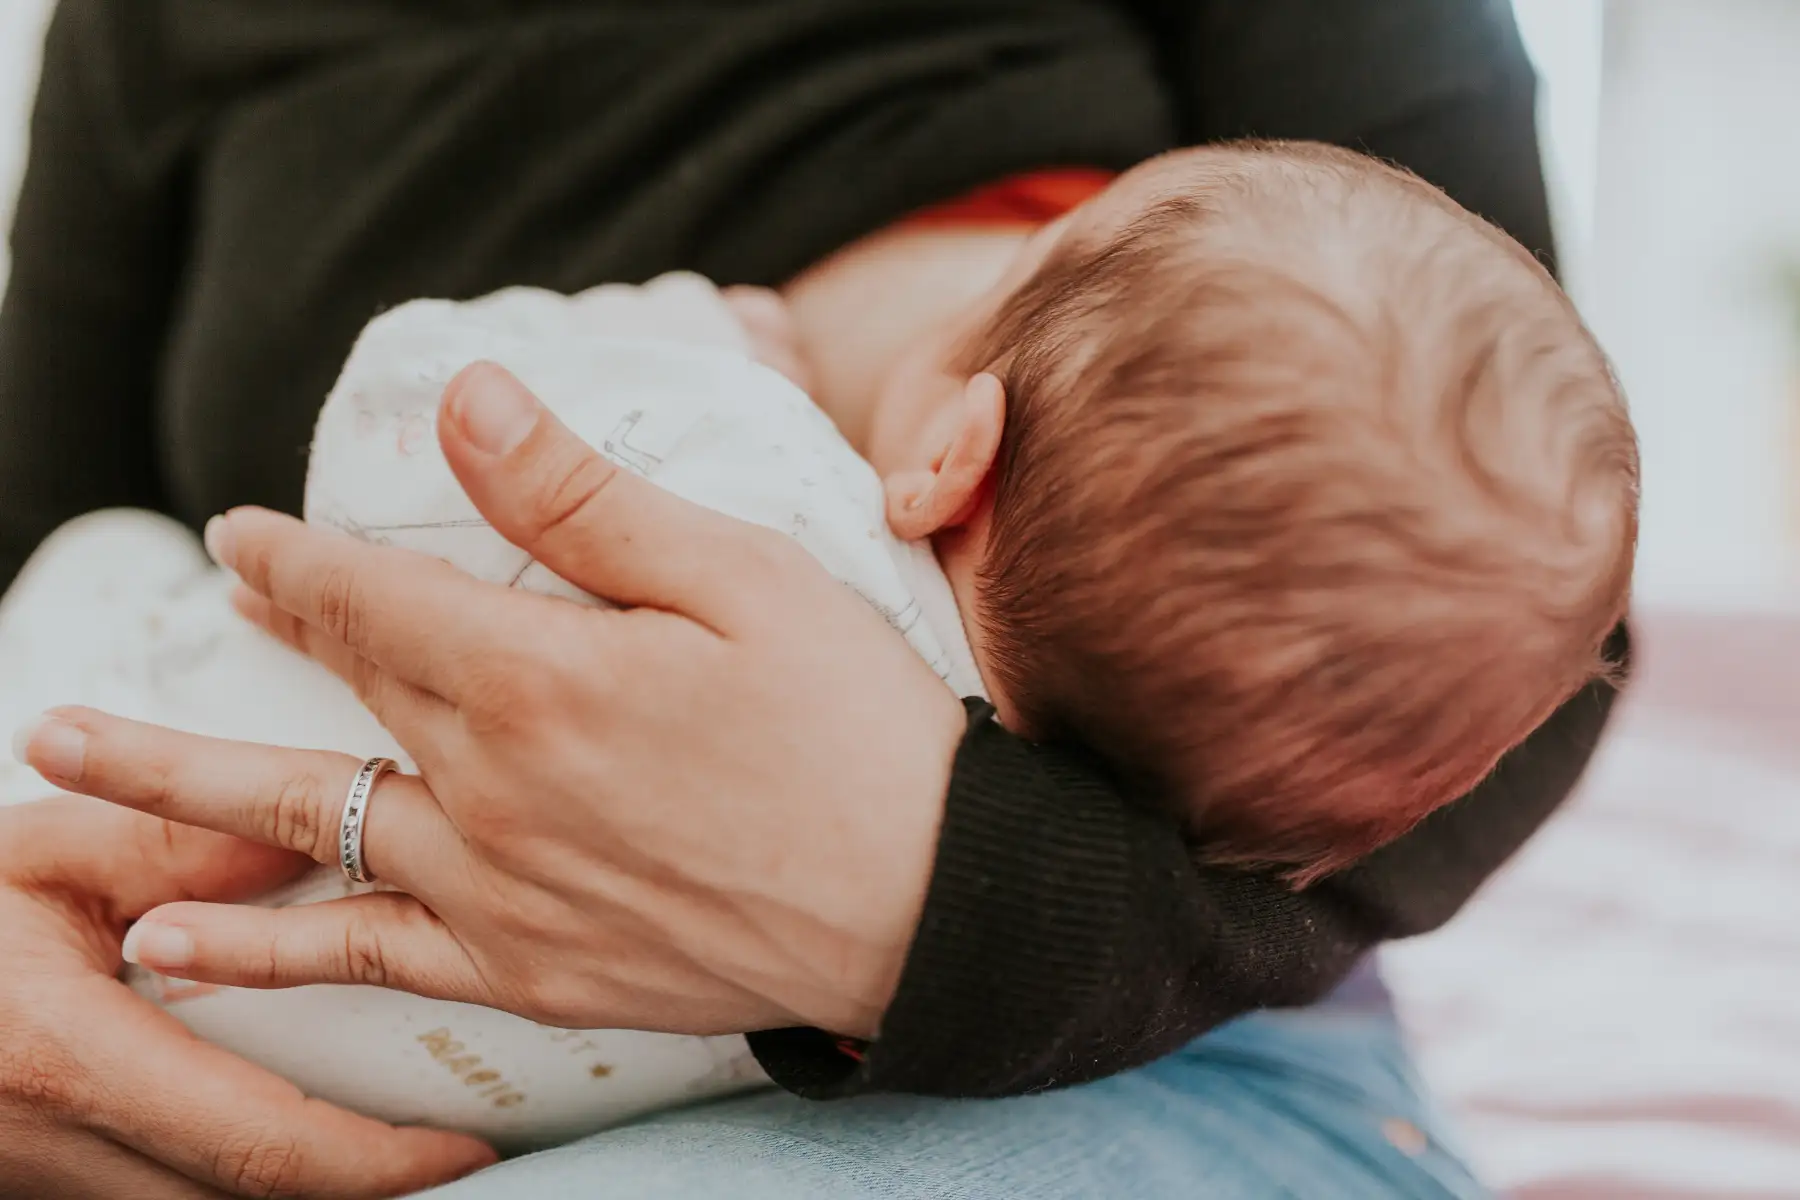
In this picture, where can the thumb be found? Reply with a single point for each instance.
(599, 526)
(135, 861)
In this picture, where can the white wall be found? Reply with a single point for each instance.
(1698, 192)
(21, 31)
(1670, 130)
(1564, 40)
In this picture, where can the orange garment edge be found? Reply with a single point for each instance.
(1029, 200)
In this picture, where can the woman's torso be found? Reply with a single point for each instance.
(362, 155)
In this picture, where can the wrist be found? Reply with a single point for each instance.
(881, 902)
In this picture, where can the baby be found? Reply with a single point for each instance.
(1292, 491)
(1290, 488)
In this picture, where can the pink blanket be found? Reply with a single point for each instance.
(1618, 1013)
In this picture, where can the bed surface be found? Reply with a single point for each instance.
(1618, 1013)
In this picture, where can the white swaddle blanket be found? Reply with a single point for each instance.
(122, 611)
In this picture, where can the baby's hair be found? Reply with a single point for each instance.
(1315, 496)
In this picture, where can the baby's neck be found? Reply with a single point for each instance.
(860, 309)
(858, 312)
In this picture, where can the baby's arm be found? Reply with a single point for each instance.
(774, 338)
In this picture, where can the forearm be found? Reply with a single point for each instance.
(1068, 935)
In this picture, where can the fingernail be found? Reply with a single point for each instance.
(219, 542)
(21, 743)
(495, 412)
(159, 947)
(58, 750)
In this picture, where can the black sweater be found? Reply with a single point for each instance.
(222, 192)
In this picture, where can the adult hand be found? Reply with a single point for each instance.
(715, 810)
(103, 1095)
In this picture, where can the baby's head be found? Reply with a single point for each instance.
(1287, 486)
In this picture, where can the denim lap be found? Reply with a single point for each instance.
(1311, 1104)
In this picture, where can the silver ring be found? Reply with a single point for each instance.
(356, 806)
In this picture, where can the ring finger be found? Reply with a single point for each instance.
(288, 798)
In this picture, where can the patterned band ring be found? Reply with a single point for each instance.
(356, 806)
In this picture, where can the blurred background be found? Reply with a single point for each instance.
(1618, 1015)
(1672, 141)
(1670, 132)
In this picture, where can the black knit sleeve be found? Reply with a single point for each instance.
(1067, 934)
(96, 244)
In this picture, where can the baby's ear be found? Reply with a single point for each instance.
(923, 501)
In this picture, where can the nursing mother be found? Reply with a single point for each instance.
(218, 198)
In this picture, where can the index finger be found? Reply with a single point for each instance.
(218, 1119)
(412, 615)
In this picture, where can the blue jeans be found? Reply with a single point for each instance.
(1315, 1104)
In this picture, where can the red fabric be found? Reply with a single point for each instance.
(1032, 199)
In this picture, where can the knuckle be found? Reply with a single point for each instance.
(264, 969)
(543, 987)
(259, 1164)
(364, 960)
(366, 680)
(157, 783)
(594, 680)
(571, 489)
(550, 677)
(340, 605)
(512, 693)
(256, 566)
(494, 826)
(295, 817)
(522, 681)
(160, 841)
(557, 1001)
(513, 921)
